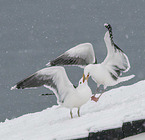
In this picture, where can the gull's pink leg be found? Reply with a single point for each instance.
(97, 98)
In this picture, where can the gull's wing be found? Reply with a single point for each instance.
(116, 60)
(80, 55)
(54, 78)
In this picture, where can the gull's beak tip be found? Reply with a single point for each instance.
(87, 77)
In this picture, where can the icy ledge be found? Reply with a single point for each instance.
(114, 108)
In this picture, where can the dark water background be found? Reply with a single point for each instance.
(32, 32)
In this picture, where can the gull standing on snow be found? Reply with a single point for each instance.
(106, 73)
(55, 78)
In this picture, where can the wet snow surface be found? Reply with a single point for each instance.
(115, 107)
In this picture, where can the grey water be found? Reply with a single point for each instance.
(32, 32)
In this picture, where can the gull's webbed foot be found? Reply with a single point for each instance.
(94, 98)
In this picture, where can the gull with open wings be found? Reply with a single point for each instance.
(56, 79)
(107, 73)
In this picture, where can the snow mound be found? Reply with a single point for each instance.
(115, 107)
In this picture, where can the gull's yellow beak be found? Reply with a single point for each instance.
(83, 78)
(87, 77)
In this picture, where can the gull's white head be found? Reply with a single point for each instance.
(87, 71)
(84, 80)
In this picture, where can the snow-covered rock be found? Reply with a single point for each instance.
(115, 107)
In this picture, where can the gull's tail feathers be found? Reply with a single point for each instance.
(126, 78)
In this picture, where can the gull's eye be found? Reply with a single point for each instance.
(80, 82)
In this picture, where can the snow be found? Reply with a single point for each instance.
(116, 106)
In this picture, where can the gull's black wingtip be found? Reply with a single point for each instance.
(18, 86)
(107, 25)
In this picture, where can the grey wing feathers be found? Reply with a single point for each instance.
(54, 78)
(116, 60)
(80, 55)
(65, 59)
(36, 80)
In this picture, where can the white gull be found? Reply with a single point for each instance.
(107, 73)
(56, 79)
